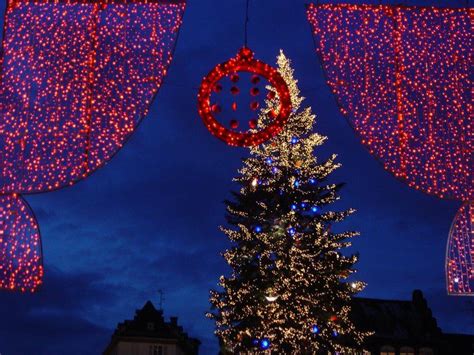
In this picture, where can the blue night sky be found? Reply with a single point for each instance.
(148, 220)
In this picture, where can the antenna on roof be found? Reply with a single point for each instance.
(162, 298)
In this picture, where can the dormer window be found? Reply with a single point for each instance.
(387, 350)
(406, 350)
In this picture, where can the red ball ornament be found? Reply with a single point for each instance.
(216, 108)
(234, 124)
(254, 91)
(244, 62)
(254, 105)
(255, 79)
(234, 78)
(217, 88)
(234, 90)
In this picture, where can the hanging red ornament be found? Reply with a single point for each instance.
(244, 62)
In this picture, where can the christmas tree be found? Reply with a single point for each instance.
(288, 291)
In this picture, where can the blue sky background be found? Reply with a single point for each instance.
(148, 220)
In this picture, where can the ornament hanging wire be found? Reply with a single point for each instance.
(244, 61)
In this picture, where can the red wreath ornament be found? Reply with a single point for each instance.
(244, 61)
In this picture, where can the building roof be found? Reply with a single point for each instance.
(406, 323)
(396, 319)
(149, 325)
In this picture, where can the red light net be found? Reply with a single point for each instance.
(77, 77)
(402, 76)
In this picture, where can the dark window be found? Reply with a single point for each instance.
(426, 351)
(157, 350)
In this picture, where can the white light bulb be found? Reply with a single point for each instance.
(271, 298)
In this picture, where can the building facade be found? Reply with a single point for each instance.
(149, 334)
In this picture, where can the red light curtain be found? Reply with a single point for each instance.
(402, 77)
(77, 77)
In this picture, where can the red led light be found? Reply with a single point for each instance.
(244, 62)
(77, 78)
